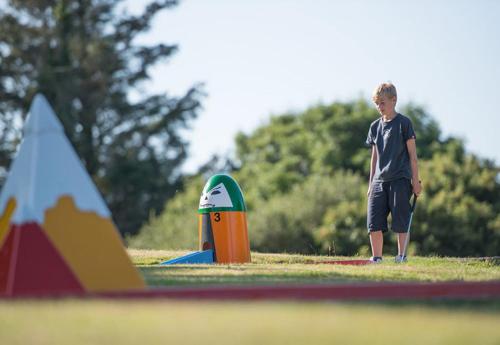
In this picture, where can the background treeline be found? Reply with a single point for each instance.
(83, 56)
(304, 177)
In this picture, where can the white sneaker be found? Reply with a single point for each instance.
(400, 259)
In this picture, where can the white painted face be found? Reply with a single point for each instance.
(215, 197)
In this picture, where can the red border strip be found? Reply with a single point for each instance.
(331, 292)
(359, 291)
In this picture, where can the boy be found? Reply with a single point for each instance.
(393, 172)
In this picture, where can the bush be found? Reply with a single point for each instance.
(295, 222)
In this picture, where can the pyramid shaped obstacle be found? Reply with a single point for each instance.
(56, 232)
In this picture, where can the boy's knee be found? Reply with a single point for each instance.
(376, 230)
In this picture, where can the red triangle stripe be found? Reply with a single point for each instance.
(31, 265)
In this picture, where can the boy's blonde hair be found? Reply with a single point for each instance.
(384, 89)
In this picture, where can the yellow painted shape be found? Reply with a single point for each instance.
(5, 219)
(92, 247)
(230, 237)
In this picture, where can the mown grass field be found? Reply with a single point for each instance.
(287, 268)
(192, 322)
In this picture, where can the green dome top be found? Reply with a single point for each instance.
(221, 193)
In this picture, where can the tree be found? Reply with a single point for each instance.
(176, 227)
(82, 56)
(459, 213)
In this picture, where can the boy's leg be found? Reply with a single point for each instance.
(378, 210)
(401, 242)
(377, 242)
(399, 196)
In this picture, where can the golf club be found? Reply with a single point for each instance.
(413, 205)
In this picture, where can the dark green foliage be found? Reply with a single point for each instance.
(81, 55)
(460, 212)
(177, 226)
(305, 179)
(320, 141)
(299, 221)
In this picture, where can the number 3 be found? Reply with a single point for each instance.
(217, 217)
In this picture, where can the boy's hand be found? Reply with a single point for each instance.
(417, 187)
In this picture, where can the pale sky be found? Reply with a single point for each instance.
(263, 57)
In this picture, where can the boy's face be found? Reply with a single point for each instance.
(386, 105)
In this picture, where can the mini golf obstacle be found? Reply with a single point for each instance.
(56, 232)
(222, 225)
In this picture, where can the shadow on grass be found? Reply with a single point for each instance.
(164, 268)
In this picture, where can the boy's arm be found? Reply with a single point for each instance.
(415, 180)
(373, 164)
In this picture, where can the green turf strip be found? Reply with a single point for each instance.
(287, 268)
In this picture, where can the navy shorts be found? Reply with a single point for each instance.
(389, 197)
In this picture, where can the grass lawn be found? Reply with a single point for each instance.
(265, 322)
(286, 268)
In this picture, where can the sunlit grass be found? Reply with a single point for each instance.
(291, 268)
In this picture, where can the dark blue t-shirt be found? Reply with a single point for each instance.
(390, 139)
